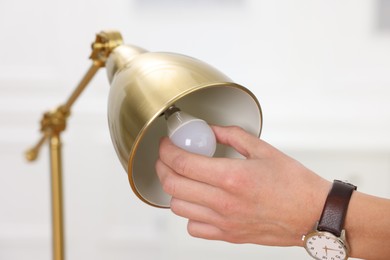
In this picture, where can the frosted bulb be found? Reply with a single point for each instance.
(190, 133)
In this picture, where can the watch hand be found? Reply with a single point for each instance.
(326, 250)
(333, 249)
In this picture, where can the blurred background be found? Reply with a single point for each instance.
(320, 70)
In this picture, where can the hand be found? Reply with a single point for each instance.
(267, 198)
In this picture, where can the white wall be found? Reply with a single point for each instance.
(319, 68)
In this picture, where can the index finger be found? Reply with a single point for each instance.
(212, 171)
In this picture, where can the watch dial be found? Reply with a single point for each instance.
(325, 246)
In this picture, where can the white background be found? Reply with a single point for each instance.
(320, 70)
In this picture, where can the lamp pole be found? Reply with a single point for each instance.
(56, 191)
(53, 124)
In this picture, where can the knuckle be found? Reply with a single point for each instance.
(169, 185)
(226, 225)
(167, 180)
(191, 229)
(175, 206)
(158, 166)
(180, 164)
(230, 226)
(162, 148)
(226, 207)
(235, 130)
(237, 178)
(231, 182)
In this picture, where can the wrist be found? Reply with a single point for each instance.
(328, 238)
(319, 195)
(366, 224)
(313, 207)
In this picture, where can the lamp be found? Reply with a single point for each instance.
(147, 88)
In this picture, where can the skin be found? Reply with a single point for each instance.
(267, 198)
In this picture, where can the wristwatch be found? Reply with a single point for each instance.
(328, 239)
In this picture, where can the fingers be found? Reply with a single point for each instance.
(204, 222)
(194, 211)
(238, 138)
(204, 230)
(196, 167)
(214, 171)
(187, 189)
(211, 232)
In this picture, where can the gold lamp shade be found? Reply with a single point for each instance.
(143, 85)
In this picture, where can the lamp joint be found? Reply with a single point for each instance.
(104, 43)
(54, 122)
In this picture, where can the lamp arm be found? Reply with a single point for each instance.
(54, 122)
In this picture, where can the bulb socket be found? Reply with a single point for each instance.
(170, 111)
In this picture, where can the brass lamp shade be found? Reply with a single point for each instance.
(143, 85)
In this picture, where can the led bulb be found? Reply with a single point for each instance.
(190, 133)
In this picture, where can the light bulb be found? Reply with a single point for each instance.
(190, 133)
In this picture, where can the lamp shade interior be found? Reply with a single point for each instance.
(220, 104)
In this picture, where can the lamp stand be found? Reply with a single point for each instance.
(56, 191)
(53, 124)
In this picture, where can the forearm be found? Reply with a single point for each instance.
(368, 226)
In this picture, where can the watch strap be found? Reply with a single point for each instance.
(335, 208)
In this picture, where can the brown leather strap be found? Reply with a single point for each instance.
(335, 208)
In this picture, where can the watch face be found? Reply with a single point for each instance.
(325, 246)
